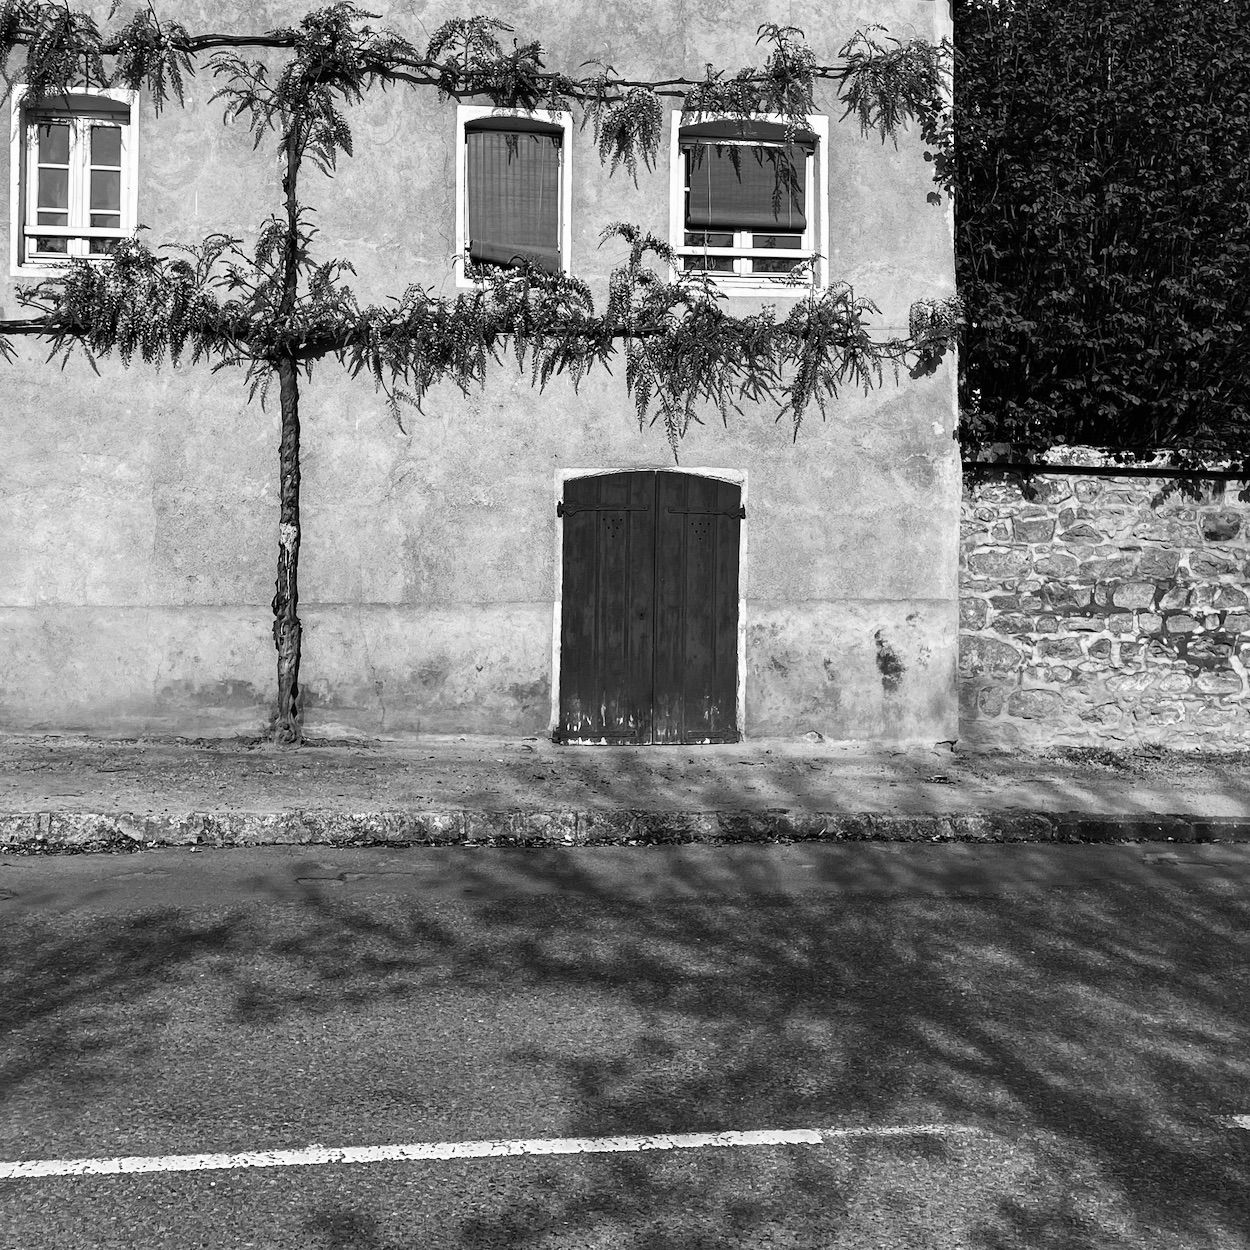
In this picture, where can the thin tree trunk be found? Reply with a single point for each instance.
(288, 717)
(288, 727)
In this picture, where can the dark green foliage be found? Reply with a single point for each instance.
(784, 86)
(64, 47)
(885, 81)
(628, 129)
(1103, 223)
(141, 305)
(152, 53)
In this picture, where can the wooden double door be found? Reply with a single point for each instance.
(649, 609)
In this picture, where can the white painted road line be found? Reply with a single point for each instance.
(1235, 1121)
(417, 1151)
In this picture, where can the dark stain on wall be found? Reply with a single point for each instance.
(889, 665)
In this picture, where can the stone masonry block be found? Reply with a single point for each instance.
(1034, 704)
(986, 655)
(1033, 529)
(990, 700)
(1100, 568)
(1061, 595)
(1165, 530)
(1174, 683)
(1060, 649)
(1212, 564)
(1180, 623)
(1218, 683)
(1219, 525)
(1049, 489)
(1134, 595)
(1158, 562)
(1056, 564)
(1081, 532)
(1014, 623)
(1230, 597)
(1006, 563)
(973, 613)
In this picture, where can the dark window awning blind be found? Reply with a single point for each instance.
(513, 176)
(755, 182)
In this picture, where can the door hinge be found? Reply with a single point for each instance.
(567, 509)
(739, 513)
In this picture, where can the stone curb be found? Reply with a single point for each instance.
(79, 832)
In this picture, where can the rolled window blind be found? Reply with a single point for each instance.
(746, 187)
(513, 197)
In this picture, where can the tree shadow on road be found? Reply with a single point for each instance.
(1090, 1034)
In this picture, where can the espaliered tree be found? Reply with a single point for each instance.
(275, 310)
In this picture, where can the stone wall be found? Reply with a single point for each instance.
(1101, 609)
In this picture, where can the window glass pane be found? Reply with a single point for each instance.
(106, 189)
(791, 241)
(43, 218)
(102, 247)
(745, 186)
(513, 190)
(106, 221)
(52, 245)
(53, 188)
(710, 264)
(106, 145)
(709, 240)
(54, 144)
(763, 265)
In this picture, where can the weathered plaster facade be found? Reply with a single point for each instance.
(139, 510)
(1104, 610)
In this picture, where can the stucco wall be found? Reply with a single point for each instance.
(1102, 609)
(140, 509)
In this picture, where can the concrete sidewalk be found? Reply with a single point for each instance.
(84, 794)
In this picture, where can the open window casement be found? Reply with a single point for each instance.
(514, 189)
(751, 202)
(74, 172)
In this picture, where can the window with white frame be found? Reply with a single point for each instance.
(749, 202)
(73, 162)
(513, 188)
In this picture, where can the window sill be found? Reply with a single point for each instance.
(479, 284)
(757, 288)
(51, 268)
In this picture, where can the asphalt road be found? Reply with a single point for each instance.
(1082, 1014)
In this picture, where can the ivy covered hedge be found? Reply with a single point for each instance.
(1102, 170)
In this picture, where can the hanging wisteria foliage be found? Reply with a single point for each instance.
(683, 351)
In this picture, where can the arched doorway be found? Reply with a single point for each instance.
(649, 608)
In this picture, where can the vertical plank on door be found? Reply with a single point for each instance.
(605, 634)
(670, 607)
(696, 609)
(723, 724)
